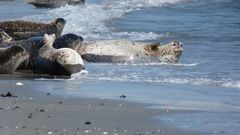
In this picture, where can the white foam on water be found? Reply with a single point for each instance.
(232, 84)
(198, 81)
(151, 64)
(90, 20)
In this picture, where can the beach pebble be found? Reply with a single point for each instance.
(14, 108)
(41, 110)
(19, 84)
(88, 123)
(122, 96)
(105, 133)
(48, 94)
(30, 115)
(31, 98)
(9, 94)
(167, 110)
(50, 132)
(24, 126)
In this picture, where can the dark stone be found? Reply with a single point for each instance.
(8, 95)
(16, 107)
(41, 110)
(24, 126)
(88, 123)
(122, 96)
(30, 115)
(60, 102)
(48, 94)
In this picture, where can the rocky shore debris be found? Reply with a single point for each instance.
(8, 94)
(123, 96)
(88, 123)
(19, 84)
(30, 115)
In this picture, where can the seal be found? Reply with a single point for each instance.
(11, 58)
(54, 3)
(126, 51)
(21, 30)
(68, 41)
(4, 37)
(33, 44)
(59, 62)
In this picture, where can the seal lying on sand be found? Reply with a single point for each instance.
(20, 30)
(4, 37)
(11, 58)
(63, 61)
(54, 3)
(125, 51)
(33, 44)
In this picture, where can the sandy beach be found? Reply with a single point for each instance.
(27, 112)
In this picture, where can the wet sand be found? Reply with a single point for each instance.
(28, 112)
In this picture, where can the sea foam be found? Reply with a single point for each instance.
(91, 20)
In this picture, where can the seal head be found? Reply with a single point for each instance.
(168, 53)
(68, 41)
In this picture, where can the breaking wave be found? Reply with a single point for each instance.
(92, 20)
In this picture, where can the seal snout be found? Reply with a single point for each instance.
(177, 46)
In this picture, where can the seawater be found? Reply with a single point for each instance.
(209, 30)
(206, 79)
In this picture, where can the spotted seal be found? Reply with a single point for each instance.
(63, 61)
(20, 30)
(126, 51)
(11, 58)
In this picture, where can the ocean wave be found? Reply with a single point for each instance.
(89, 20)
(151, 64)
(199, 81)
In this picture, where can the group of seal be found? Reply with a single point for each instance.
(40, 47)
(45, 55)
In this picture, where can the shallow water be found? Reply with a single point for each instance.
(206, 79)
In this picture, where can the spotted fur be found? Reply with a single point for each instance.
(20, 29)
(125, 51)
